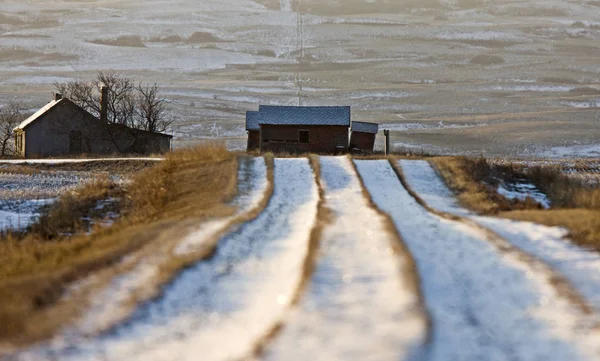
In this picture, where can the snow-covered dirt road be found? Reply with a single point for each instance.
(580, 266)
(113, 303)
(219, 308)
(359, 303)
(390, 280)
(484, 305)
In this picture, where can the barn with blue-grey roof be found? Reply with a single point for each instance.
(298, 129)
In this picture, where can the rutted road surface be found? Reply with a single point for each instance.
(484, 305)
(359, 304)
(466, 298)
(217, 309)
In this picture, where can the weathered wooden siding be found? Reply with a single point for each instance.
(253, 140)
(362, 141)
(321, 139)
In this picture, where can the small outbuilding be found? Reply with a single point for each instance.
(298, 129)
(363, 136)
(253, 129)
(62, 128)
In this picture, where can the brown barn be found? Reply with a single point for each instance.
(304, 129)
(363, 136)
(63, 128)
(253, 130)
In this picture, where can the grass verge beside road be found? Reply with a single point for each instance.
(575, 206)
(35, 270)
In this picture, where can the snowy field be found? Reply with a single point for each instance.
(473, 296)
(23, 195)
(508, 78)
(24, 190)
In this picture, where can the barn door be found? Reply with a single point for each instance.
(75, 142)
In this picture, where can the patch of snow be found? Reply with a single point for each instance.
(532, 88)
(522, 191)
(210, 130)
(220, 307)
(402, 127)
(575, 151)
(42, 80)
(580, 266)
(357, 302)
(477, 35)
(70, 160)
(484, 304)
(590, 103)
(18, 215)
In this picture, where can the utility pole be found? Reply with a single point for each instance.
(299, 50)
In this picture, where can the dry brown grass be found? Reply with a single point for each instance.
(192, 183)
(563, 191)
(66, 216)
(470, 179)
(576, 206)
(583, 224)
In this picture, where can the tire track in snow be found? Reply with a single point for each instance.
(357, 305)
(484, 305)
(580, 266)
(113, 304)
(217, 309)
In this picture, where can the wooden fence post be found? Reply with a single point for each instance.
(387, 142)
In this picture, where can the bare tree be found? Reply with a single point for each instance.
(10, 117)
(121, 102)
(152, 110)
(136, 107)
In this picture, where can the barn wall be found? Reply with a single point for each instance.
(253, 140)
(322, 138)
(50, 135)
(362, 141)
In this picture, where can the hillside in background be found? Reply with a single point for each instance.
(498, 78)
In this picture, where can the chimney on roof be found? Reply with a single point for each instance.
(57, 96)
(103, 103)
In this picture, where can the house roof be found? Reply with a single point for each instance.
(38, 114)
(365, 127)
(288, 115)
(252, 121)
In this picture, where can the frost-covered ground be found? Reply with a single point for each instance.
(219, 308)
(110, 305)
(485, 303)
(486, 300)
(525, 72)
(522, 190)
(22, 196)
(25, 191)
(20, 214)
(579, 265)
(358, 304)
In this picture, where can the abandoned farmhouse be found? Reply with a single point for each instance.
(297, 129)
(63, 128)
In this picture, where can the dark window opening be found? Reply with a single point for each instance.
(303, 136)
